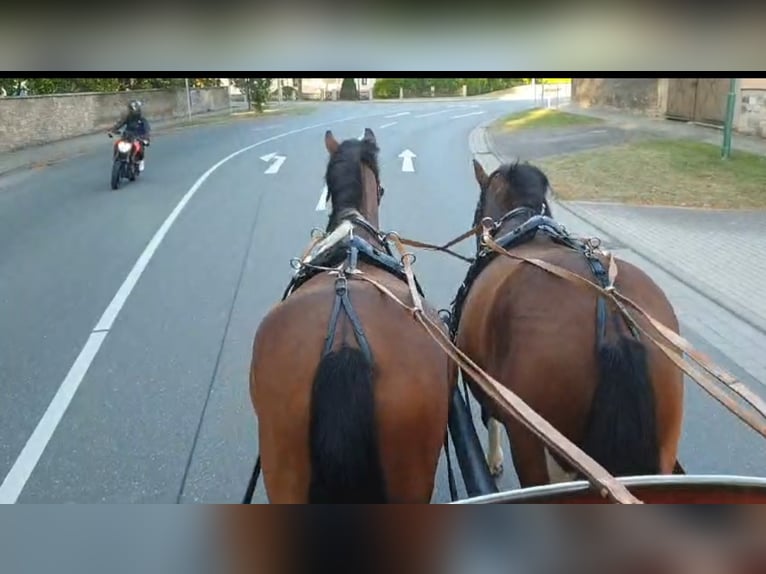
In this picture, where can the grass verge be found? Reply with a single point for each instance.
(661, 172)
(544, 118)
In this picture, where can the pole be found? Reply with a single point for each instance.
(729, 124)
(534, 90)
(188, 98)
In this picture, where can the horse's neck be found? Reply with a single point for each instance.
(511, 224)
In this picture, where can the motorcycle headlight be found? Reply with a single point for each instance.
(124, 147)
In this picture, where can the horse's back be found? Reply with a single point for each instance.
(411, 377)
(537, 333)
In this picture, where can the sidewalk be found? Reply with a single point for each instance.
(712, 264)
(54, 152)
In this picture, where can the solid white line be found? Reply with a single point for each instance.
(397, 115)
(430, 114)
(466, 115)
(22, 469)
(388, 125)
(30, 455)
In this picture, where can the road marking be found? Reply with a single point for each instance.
(407, 163)
(397, 115)
(322, 203)
(274, 167)
(388, 125)
(30, 455)
(466, 115)
(431, 113)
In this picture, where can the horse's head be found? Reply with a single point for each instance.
(510, 187)
(353, 178)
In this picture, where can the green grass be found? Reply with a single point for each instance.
(544, 118)
(661, 172)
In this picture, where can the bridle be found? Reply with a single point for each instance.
(494, 225)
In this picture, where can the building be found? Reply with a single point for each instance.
(329, 88)
(311, 88)
(700, 100)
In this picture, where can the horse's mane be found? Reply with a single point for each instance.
(345, 184)
(528, 184)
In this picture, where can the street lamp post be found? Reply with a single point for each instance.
(729, 123)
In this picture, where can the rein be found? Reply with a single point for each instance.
(705, 373)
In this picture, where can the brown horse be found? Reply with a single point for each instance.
(351, 393)
(560, 347)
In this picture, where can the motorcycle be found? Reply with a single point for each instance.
(125, 164)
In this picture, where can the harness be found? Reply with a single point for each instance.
(534, 224)
(340, 253)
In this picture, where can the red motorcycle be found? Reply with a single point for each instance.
(125, 153)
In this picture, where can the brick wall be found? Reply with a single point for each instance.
(629, 94)
(752, 112)
(40, 119)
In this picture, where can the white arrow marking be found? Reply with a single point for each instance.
(274, 167)
(466, 115)
(398, 115)
(322, 203)
(407, 164)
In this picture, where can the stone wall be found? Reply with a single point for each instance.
(641, 95)
(752, 112)
(35, 120)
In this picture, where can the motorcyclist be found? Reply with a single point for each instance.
(136, 125)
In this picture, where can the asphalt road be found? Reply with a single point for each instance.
(139, 370)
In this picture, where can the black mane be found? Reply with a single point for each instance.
(345, 184)
(527, 184)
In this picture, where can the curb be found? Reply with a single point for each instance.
(688, 281)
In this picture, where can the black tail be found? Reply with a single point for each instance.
(621, 432)
(345, 460)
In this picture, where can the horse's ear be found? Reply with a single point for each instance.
(330, 142)
(369, 136)
(481, 175)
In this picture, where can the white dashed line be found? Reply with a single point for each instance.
(431, 114)
(466, 115)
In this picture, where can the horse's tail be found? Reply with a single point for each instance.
(343, 443)
(621, 432)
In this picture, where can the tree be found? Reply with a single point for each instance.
(256, 91)
(348, 89)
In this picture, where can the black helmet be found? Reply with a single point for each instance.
(134, 107)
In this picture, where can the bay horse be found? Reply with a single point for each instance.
(351, 393)
(566, 351)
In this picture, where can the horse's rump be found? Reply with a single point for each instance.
(538, 334)
(408, 378)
